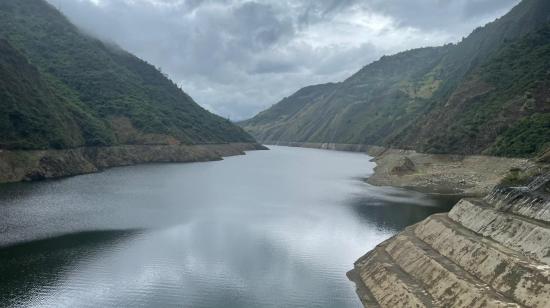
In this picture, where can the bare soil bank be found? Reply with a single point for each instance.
(431, 173)
(18, 166)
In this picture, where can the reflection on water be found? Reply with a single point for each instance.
(38, 264)
(394, 209)
(274, 228)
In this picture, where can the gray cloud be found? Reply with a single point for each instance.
(452, 16)
(236, 57)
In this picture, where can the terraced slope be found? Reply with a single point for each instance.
(491, 252)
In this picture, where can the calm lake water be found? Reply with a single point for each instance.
(275, 228)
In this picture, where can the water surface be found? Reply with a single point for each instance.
(275, 228)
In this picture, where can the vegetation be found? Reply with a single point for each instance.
(513, 83)
(487, 94)
(61, 88)
(527, 136)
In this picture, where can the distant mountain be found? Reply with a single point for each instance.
(61, 88)
(487, 94)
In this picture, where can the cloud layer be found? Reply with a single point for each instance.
(237, 57)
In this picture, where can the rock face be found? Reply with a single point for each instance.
(18, 166)
(404, 166)
(490, 252)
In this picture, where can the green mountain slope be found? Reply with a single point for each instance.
(62, 88)
(272, 121)
(472, 97)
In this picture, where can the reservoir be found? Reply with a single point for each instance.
(276, 228)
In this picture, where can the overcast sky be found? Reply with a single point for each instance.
(237, 57)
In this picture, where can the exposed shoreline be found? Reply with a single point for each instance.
(468, 175)
(17, 166)
(488, 251)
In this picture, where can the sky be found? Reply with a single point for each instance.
(238, 57)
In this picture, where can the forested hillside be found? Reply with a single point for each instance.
(61, 88)
(487, 94)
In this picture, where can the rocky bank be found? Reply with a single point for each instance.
(446, 174)
(18, 166)
(488, 252)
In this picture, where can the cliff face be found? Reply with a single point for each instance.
(490, 252)
(487, 94)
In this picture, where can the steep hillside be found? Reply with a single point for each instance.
(61, 88)
(270, 123)
(500, 107)
(33, 115)
(487, 94)
(358, 110)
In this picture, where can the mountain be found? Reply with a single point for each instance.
(487, 94)
(61, 88)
